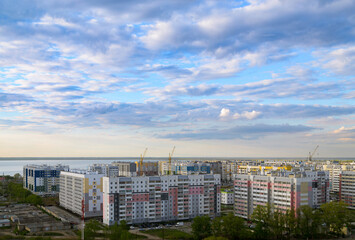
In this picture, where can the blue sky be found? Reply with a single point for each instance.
(214, 78)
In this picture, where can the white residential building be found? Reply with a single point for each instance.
(81, 187)
(160, 198)
(347, 188)
(283, 190)
(334, 172)
(227, 197)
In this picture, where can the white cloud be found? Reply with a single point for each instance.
(224, 113)
(340, 61)
(247, 115)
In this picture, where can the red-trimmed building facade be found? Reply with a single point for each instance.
(160, 198)
(284, 191)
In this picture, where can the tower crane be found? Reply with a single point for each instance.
(310, 156)
(141, 162)
(170, 156)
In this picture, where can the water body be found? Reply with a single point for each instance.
(11, 166)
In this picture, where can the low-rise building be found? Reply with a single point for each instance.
(81, 188)
(160, 198)
(227, 197)
(42, 179)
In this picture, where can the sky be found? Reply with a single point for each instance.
(222, 78)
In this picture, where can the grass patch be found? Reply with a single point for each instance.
(169, 234)
(136, 236)
(52, 234)
(227, 207)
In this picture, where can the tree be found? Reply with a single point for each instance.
(277, 224)
(215, 238)
(91, 229)
(233, 227)
(34, 199)
(290, 223)
(119, 232)
(308, 222)
(261, 218)
(17, 176)
(216, 227)
(336, 216)
(201, 227)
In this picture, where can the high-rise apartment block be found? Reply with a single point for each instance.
(80, 188)
(42, 179)
(347, 188)
(334, 173)
(283, 190)
(160, 198)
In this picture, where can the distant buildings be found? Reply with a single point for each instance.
(42, 179)
(127, 169)
(160, 198)
(347, 188)
(283, 190)
(148, 168)
(184, 168)
(108, 170)
(225, 168)
(80, 188)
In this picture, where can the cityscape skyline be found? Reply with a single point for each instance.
(213, 78)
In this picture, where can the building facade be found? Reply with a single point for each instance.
(160, 198)
(284, 191)
(334, 173)
(347, 188)
(184, 168)
(42, 179)
(108, 170)
(80, 187)
(227, 197)
(126, 169)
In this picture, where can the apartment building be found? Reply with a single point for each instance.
(160, 198)
(283, 190)
(126, 169)
(42, 179)
(148, 168)
(184, 167)
(108, 170)
(347, 188)
(80, 187)
(227, 197)
(334, 173)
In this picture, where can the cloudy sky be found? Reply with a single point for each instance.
(253, 78)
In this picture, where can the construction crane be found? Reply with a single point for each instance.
(310, 156)
(170, 156)
(141, 162)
